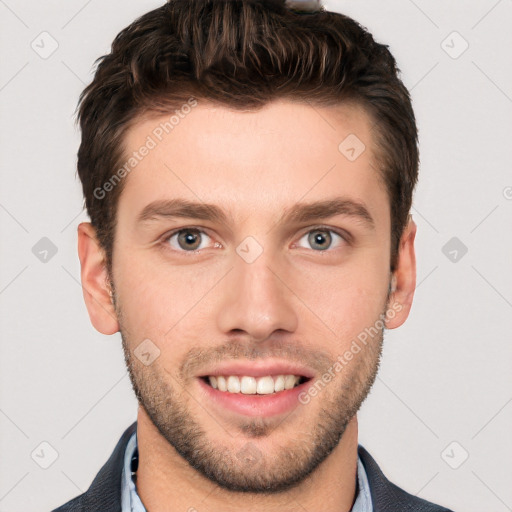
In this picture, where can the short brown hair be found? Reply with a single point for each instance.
(242, 54)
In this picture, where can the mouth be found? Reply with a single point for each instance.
(255, 389)
(249, 385)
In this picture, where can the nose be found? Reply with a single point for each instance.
(256, 300)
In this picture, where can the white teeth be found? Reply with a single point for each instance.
(290, 381)
(221, 384)
(250, 385)
(265, 386)
(233, 384)
(279, 383)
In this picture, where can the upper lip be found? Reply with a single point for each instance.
(257, 369)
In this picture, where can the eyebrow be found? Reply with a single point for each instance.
(298, 213)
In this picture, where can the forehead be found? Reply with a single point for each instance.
(253, 161)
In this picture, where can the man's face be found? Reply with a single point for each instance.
(261, 293)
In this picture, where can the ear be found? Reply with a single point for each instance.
(403, 281)
(95, 283)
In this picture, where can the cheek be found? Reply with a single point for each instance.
(343, 301)
(157, 299)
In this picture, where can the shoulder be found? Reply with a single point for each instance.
(104, 492)
(388, 497)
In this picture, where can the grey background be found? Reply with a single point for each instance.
(444, 390)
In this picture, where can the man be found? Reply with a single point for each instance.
(248, 168)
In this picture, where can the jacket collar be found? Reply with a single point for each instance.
(386, 496)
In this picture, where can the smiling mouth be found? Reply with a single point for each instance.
(247, 385)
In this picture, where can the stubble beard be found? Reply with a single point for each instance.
(248, 469)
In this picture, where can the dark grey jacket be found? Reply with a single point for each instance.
(104, 494)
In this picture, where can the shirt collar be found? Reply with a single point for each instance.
(130, 501)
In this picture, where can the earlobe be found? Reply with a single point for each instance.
(95, 284)
(403, 281)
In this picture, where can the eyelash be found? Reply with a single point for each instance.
(165, 240)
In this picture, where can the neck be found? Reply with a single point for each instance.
(163, 475)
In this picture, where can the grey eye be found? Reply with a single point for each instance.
(189, 239)
(321, 239)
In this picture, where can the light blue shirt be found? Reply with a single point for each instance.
(130, 501)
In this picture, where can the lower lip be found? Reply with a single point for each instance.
(256, 405)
